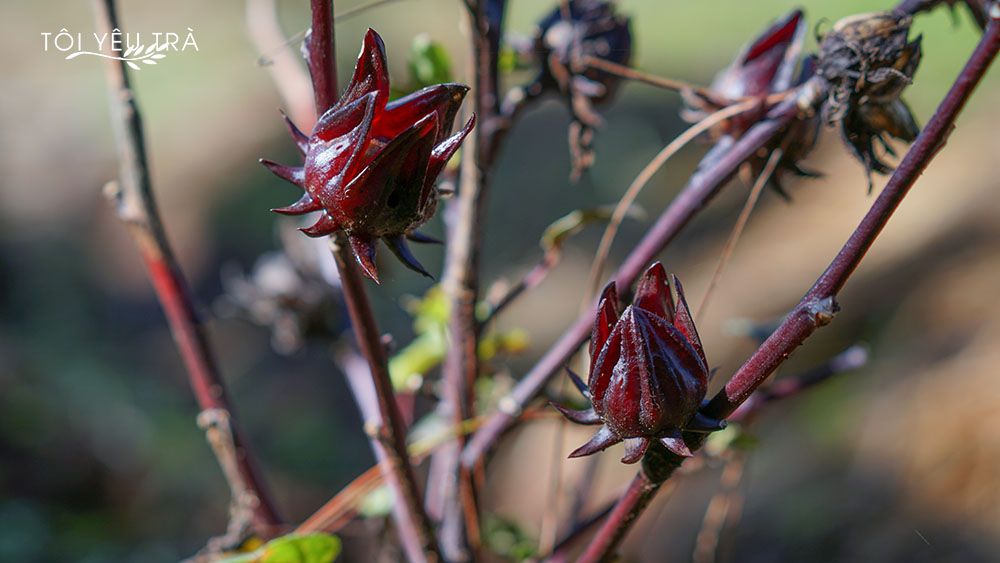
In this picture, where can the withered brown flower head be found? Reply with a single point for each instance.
(868, 60)
(587, 28)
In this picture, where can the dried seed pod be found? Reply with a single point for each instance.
(648, 373)
(590, 28)
(370, 164)
(868, 60)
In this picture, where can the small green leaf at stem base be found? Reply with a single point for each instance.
(293, 548)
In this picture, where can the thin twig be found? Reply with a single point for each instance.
(679, 86)
(560, 553)
(818, 306)
(737, 232)
(549, 523)
(700, 189)
(852, 358)
(630, 73)
(413, 524)
(361, 8)
(529, 281)
(643, 178)
(725, 501)
(136, 206)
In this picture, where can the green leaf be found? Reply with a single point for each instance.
(429, 62)
(573, 222)
(507, 539)
(508, 60)
(427, 350)
(293, 548)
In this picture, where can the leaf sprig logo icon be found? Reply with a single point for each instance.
(132, 55)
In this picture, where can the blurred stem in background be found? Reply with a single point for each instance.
(135, 205)
(458, 505)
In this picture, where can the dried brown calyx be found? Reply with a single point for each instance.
(868, 60)
(565, 37)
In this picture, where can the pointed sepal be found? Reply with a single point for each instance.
(444, 150)
(635, 448)
(364, 251)
(324, 226)
(293, 174)
(684, 321)
(653, 293)
(399, 247)
(371, 73)
(602, 440)
(580, 417)
(305, 204)
(703, 424)
(675, 443)
(578, 383)
(422, 238)
(442, 99)
(607, 316)
(300, 138)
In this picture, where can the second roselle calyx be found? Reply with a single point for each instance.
(648, 373)
(770, 64)
(371, 164)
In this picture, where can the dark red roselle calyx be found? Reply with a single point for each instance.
(767, 65)
(371, 164)
(770, 64)
(648, 373)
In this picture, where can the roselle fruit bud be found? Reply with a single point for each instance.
(770, 64)
(590, 28)
(370, 164)
(648, 373)
(767, 65)
(868, 60)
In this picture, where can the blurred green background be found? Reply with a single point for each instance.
(100, 458)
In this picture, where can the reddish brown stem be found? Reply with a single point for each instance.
(321, 55)
(817, 306)
(416, 527)
(803, 321)
(136, 206)
(531, 280)
(703, 186)
(628, 508)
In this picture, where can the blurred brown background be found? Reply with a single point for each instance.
(100, 458)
